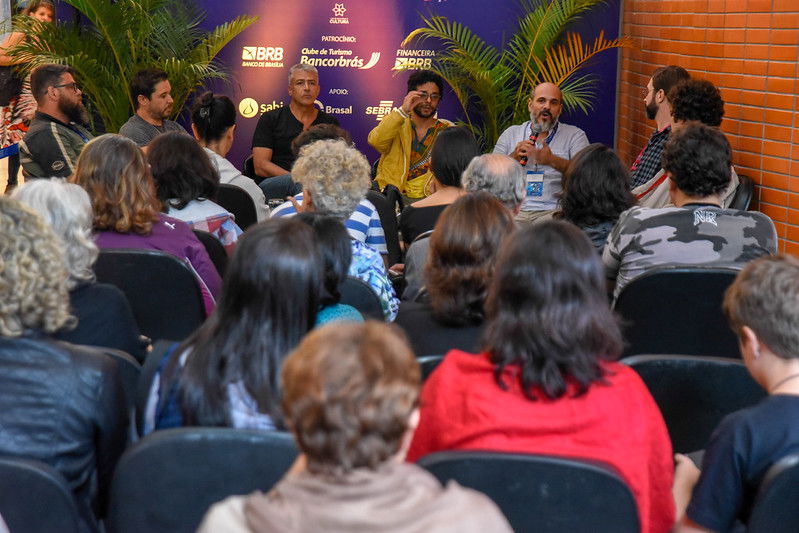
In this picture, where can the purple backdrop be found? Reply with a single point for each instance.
(355, 46)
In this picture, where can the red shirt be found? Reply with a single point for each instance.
(463, 408)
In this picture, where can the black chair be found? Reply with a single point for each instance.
(129, 372)
(216, 252)
(162, 290)
(428, 363)
(167, 481)
(146, 377)
(775, 509)
(237, 201)
(743, 193)
(35, 498)
(361, 296)
(388, 219)
(542, 493)
(249, 168)
(677, 310)
(695, 393)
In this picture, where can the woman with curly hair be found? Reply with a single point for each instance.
(546, 381)
(59, 403)
(460, 264)
(114, 172)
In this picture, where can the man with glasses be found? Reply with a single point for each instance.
(56, 135)
(405, 137)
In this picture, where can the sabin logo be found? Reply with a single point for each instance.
(248, 108)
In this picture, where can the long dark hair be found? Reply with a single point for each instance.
(268, 302)
(452, 152)
(334, 243)
(181, 169)
(212, 115)
(547, 311)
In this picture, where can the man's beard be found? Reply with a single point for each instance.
(651, 110)
(74, 112)
(545, 121)
(418, 111)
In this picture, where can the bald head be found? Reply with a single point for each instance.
(545, 106)
(497, 174)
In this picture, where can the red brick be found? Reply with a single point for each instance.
(758, 20)
(784, 36)
(782, 69)
(780, 101)
(777, 164)
(781, 85)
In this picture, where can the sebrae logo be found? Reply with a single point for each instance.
(262, 56)
(380, 110)
(338, 15)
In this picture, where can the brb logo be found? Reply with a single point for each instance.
(262, 56)
(380, 110)
(413, 59)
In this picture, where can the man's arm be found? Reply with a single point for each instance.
(51, 151)
(262, 162)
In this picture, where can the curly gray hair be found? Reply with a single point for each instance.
(498, 175)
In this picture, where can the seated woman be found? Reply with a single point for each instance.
(227, 372)
(213, 121)
(334, 243)
(596, 190)
(546, 382)
(59, 403)
(103, 312)
(452, 151)
(350, 394)
(459, 266)
(114, 172)
(186, 183)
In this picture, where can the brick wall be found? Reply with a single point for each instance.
(750, 50)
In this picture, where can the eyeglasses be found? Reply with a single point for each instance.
(74, 86)
(435, 97)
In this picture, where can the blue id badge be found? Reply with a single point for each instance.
(535, 183)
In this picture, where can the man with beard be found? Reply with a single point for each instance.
(151, 91)
(658, 108)
(543, 145)
(55, 136)
(405, 137)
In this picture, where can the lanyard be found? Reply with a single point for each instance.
(548, 139)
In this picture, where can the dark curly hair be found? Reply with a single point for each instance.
(696, 100)
(698, 158)
(453, 150)
(319, 132)
(181, 169)
(596, 187)
(420, 77)
(547, 311)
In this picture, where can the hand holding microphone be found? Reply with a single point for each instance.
(536, 131)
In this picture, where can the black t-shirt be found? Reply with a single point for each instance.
(430, 337)
(414, 221)
(277, 128)
(740, 452)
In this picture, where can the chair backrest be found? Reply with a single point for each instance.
(677, 310)
(361, 296)
(35, 498)
(169, 479)
(215, 251)
(237, 201)
(388, 219)
(428, 363)
(146, 378)
(775, 509)
(162, 290)
(695, 393)
(249, 167)
(743, 193)
(543, 493)
(129, 373)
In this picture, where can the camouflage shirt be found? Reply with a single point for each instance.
(695, 234)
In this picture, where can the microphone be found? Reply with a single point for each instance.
(536, 131)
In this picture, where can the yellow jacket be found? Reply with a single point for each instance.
(392, 138)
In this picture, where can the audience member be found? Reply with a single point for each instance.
(453, 150)
(103, 312)
(59, 403)
(334, 243)
(698, 231)
(271, 142)
(350, 397)
(405, 136)
(114, 172)
(658, 108)
(546, 381)
(186, 183)
(227, 372)
(543, 145)
(152, 95)
(596, 190)
(56, 135)
(762, 305)
(213, 121)
(460, 264)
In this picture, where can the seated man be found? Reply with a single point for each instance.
(152, 93)
(762, 306)
(697, 231)
(271, 142)
(543, 145)
(350, 394)
(405, 136)
(55, 136)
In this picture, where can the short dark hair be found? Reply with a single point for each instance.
(453, 150)
(212, 115)
(320, 132)
(596, 187)
(45, 76)
(696, 100)
(699, 159)
(665, 78)
(181, 169)
(548, 312)
(334, 242)
(143, 83)
(420, 77)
